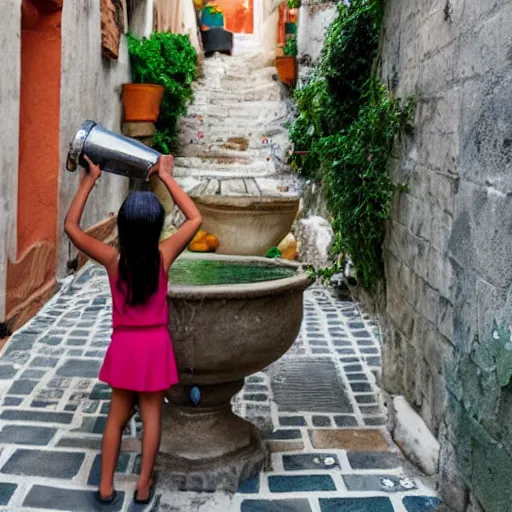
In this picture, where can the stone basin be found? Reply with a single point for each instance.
(230, 317)
(245, 225)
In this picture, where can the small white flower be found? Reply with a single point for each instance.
(329, 461)
(387, 483)
(407, 483)
(496, 334)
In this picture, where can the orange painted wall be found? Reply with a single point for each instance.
(238, 15)
(38, 173)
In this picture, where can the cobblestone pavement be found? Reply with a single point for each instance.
(318, 406)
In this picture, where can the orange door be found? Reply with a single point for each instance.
(238, 15)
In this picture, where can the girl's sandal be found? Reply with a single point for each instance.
(105, 501)
(151, 494)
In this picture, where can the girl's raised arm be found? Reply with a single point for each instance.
(102, 253)
(173, 246)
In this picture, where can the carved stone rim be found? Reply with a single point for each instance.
(297, 283)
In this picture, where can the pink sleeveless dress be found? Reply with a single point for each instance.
(140, 356)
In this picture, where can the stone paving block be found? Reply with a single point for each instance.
(378, 483)
(300, 483)
(361, 387)
(76, 342)
(369, 351)
(370, 409)
(250, 486)
(363, 440)
(357, 377)
(22, 387)
(22, 434)
(281, 435)
(285, 446)
(375, 421)
(256, 397)
(79, 368)
(53, 498)
(44, 362)
(80, 333)
(6, 492)
(421, 503)
(276, 506)
(12, 400)
(252, 388)
(356, 505)
(321, 421)
(304, 462)
(7, 371)
(36, 416)
(33, 374)
(51, 340)
(366, 399)
(88, 443)
(43, 404)
(95, 473)
(292, 421)
(50, 464)
(361, 460)
(345, 421)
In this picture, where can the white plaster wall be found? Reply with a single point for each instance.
(314, 19)
(10, 31)
(141, 23)
(90, 89)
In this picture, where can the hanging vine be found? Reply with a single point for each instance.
(344, 133)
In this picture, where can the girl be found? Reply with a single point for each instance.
(139, 363)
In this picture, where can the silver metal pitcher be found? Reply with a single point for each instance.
(113, 152)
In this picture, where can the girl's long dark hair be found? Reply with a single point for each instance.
(140, 222)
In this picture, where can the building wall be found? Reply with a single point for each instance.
(448, 251)
(10, 33)
(314, 20)
(58, 78)
(90, 89)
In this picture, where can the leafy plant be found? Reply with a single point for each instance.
(346, 125)
(168, 60)
(294, 4)
(290, 47)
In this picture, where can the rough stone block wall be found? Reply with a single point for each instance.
(448, 251)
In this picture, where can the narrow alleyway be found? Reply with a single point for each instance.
(319, 406)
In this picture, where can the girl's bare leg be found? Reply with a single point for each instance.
(121, 410)
(151, 412)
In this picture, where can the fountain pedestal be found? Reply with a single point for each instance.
(221, 334)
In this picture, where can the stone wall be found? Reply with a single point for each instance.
(315, 16)
(90, 89)
(448, 251)
(10, 28)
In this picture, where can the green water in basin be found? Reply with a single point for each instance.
(209, 272)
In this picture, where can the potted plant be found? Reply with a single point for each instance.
(142, 98)
(163, 69)
(287, 63)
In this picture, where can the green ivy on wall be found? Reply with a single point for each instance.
(346, 127)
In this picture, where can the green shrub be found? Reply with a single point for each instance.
(168, 60)
(290, 47)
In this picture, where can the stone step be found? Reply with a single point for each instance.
(203, 169)
(268, 92)
(251, 110)
(220, 151)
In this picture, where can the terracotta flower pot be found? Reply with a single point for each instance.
(287, 69)
(141, 102)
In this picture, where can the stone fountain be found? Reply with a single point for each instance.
(223, 332)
